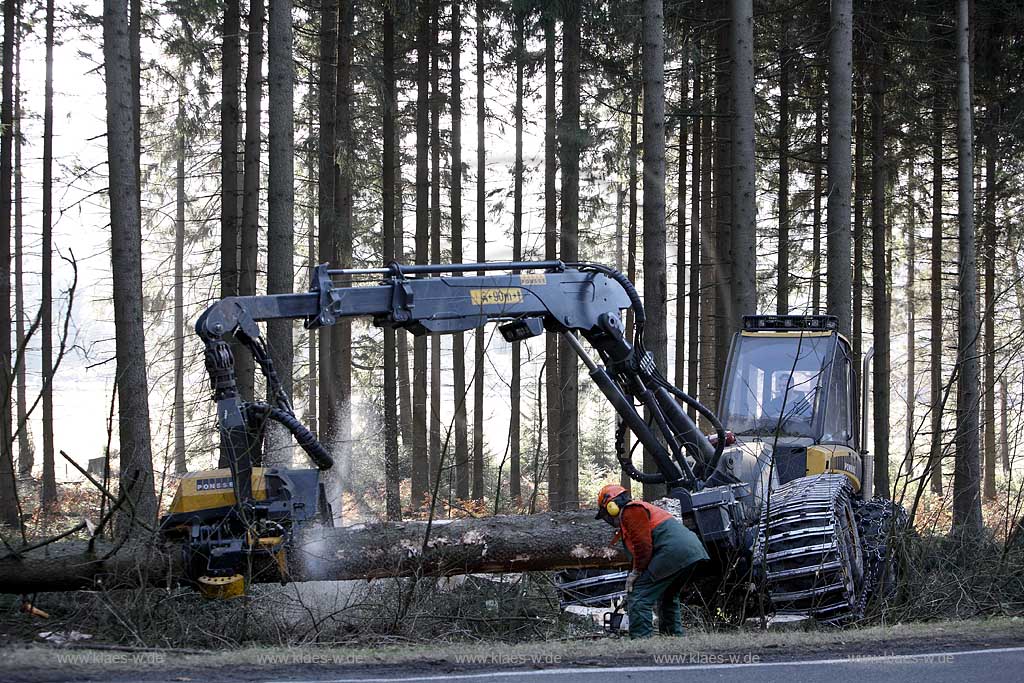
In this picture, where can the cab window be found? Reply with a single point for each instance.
(837, 425)
(774, 384)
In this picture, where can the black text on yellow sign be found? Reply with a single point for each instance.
(496, 296)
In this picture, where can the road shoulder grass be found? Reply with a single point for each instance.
(33, 662)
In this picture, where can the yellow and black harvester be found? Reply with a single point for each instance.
(783, 502)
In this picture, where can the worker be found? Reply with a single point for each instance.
(665, 556)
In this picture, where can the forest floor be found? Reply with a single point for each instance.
(748, 647)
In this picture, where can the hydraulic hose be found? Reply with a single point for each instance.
(641, 317)
(631, 420)
(706, 412)
(626, 463)
(627, 285)
(309, 443)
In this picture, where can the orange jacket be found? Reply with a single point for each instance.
(638, 521)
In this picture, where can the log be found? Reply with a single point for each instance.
(508, 543)
(69, 565)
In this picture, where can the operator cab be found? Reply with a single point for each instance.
(790, 383)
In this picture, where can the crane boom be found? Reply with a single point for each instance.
(527, 297)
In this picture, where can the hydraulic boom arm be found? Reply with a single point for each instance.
(431, 299)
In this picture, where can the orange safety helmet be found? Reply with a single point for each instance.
(605, 498)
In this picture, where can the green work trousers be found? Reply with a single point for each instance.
(650, 594)
(677, 554)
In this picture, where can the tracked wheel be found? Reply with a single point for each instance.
(810, 549)
(881, 524)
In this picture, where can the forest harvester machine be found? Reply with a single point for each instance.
(782, 501)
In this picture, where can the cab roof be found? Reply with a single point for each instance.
(790, 323)
(795, 325)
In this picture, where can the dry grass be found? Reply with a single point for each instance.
(738, 641)
(508, 609)
(945, 577)
(762, 643)
(941, 579)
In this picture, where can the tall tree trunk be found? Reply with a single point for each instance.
(420, 462)
(24, 450)
(709, 261)
(911, 426)
(49, 492)
(435, 241)
(654, 248)
(744, 175)
(8, 489)
(858, 258)
(840, 126)
(248, 261)
(620, 200)
(180, 464)
(481, 254)
(462, 464)
(281, 200)
(935, 392)
(231, 80)
(989, 258)
(390, 168)
(136, 463)
(633, 179)
(695, 216)
(816, 208)
(551, 384)
(1004, 432)
(459, 340)
(967, 467)
(723, 309)
(135, 48)
(344, 161)
(515, 478)
(1013, 246)
(230, 178)
(312, 386)
(680, 331)
(569, 148)
(785, 57)
(405, 417)
(405, 422)
(26, 457)
(326, 239)
(879, 292)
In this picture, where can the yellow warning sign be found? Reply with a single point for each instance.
(498, 296)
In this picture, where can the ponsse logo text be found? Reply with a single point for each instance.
(213, 484)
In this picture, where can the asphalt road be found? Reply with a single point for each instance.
(992, 666)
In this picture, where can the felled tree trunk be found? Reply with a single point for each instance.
(512, 543)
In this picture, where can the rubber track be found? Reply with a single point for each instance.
(809, 565)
